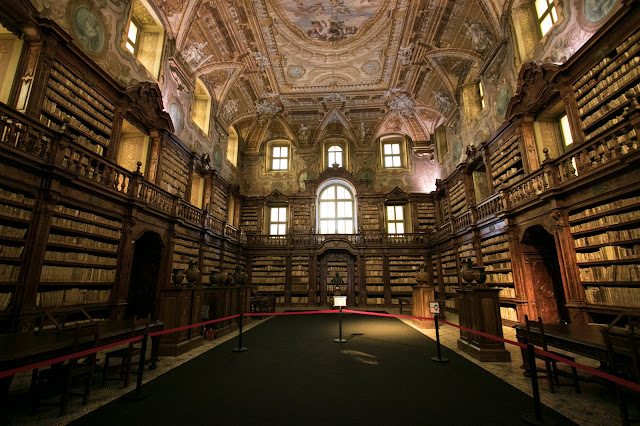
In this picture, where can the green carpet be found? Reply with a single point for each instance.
(294, 373)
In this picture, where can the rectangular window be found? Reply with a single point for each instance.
(280, 158)
(395, 219)
(278, 221)
(132, 38)
(547, 15)
(481, 93)
(565, 130)
(392, 155)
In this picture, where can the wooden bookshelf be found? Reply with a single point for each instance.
(249, 220)
(174, 174)
(71, 100)
(506, 163)
(450, 278)
(426, 216)
(81, 253)
(607, 246)
(184, 251)
(457, 198)
(301, 217)
(402, 272)
(496, 258)
(600, 93)
(16, 209)
(300, 280)
(210, 262)
(370, 217)
(374, 280)
(218, 206)
(268, 275)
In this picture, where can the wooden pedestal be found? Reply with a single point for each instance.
(479, 309)
(180, 306)
(422, 295)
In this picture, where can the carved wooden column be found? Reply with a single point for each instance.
(531, 158)
(153, 174)
(120, 292)
(573, 289)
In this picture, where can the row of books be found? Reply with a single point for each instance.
(401, 288)
(607, 61)
(52, 273)
(507, 167)
(611, 273)
(70, 211)
(15, 212)
(501, 256)
(72, 296)
(604, 127)
(268, 287)
(74, 256)
(602, 208)
(506, 292)
(5, 298)
(83, 87)
(11, 232)
(449, 265)
(603, 221)
(608, 237)
(52, 104)
(409, 280)
(267, 280)
(500, 278)
(299, 299)
(9, 273)
(375, 300)
(502, 149)
(612, 82)
(508, 313)
(84, 227)
(11, 251)
(450, 303)
(6, 194)
(451, 279)
(95, 110)
(602, 110)
(613, 296)
(494, 240)
(494, 266)
(82, 242)
(610, 253)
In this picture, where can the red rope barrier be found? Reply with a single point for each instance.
(186, 327)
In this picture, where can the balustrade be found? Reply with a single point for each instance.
(24, 134)
(490, 206)
(529, 188)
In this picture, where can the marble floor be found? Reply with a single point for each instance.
(595, 405)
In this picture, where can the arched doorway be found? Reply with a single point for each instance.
(343, 263)
(543, 271)
(143, 285)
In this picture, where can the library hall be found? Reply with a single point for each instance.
(272, 212)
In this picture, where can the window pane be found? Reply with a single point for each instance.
(546, 24)
(388, 161)
(331, 227)
(276, 152)
(276, 164)
(387, 149)
(283, 164)
(281, 229)
(329, 193)
(349, 226)
(324, 227)
(400, 228)
(541, 7)
(566, 130)
(348, 210)
(129, 47)
(554, 14)
(274, 229)
(396, 148)
(284, 151)
(396, 162)
(133, 32)
(391, 228)
(341, 210)
(399, 215)
(282, 214)
(391, 215)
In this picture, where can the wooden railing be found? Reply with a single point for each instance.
(189, 212)
(490, 206)
(462, 221)
(24, 134)
(529, 188)
(356, 240)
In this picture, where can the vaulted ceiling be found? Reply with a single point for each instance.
(382, 64)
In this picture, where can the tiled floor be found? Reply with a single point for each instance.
(596, 404)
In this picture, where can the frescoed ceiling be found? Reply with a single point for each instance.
(300, 59)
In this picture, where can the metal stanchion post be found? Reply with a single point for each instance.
(438, 358)
(340, 339)
(240, 348)
(537, 406)
(137, 393)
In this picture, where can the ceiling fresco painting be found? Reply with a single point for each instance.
(329, 20)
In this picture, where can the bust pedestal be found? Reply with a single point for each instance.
(479, 309)
(422, 295)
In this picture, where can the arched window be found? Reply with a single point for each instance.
(334, 155)
(336, 209)
(232, 146)
(201, 107)
(144, 36)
